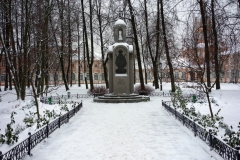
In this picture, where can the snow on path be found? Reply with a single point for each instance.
(122, 131)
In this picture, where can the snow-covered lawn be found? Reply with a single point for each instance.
(121, 131)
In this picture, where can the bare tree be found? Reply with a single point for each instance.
(167, 48)
(136, 44)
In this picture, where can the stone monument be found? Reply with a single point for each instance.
(120, 56)
(121, 75)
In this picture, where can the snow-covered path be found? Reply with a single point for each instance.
(122, 131)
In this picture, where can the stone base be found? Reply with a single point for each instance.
(123, 98)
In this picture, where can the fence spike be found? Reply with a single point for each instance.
(29, 144)
(238, 153)
(1, 155)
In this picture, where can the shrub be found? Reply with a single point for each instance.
(47, 116)
(147, 90)
(232, 138)
(30, 119)
(98, 90)
(9, 136)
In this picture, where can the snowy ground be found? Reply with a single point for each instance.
(122, 131)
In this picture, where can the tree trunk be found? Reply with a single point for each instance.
(25, 48)
(136, 45)
(102, 45)
(167, 49)
(207, 59)
(86, 42)
(90, 60)
(217, 68)
(154, 61)
(62, 46)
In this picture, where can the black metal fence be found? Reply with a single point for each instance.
(224, 150)
(59, 99)
(24, 148)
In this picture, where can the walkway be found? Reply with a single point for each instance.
(122, 131)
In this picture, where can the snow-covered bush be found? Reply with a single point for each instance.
(30, 119)
(18, 129)
(211, 124)
(232, 138)
(9, 136)
(47, 116)
(180, 102)
(147, 90)
(99, 90)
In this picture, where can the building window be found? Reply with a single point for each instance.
(81, 76)
(95, 76)
(228, 74)
(47, 77)
(183, 75)
(222, 73)
(103, 77)
(87, 76)
(56, 77)
(168, 75)
(3, 76)
(73, 76)
(176, 75)
(213, 75)
(96, 65)
(163, 74)
(3, 63)
(148, 75)
(200, 54)
(73, 65)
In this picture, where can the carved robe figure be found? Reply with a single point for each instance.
(121, 63)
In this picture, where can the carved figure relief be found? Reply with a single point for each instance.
(120, 35)
(121, 62)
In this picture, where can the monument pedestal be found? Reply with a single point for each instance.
(121, 75)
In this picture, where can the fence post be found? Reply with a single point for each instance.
(74, 110)
(175, 112)
(183, 118)
(59, 121)
(77, 95)
(163, 94)
(237, 153)
(68, 116)
(194, 128)
(47, 129)
(29, 144)
(1, 155)
(211, 139)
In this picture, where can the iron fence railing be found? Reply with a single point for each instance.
(24, 148)
(63, 98)
(224, 150)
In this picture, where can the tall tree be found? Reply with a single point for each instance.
(86, 46)
(153, 58)
(91, 57)
(101, 29)
(61, 54)
(167, 48)
(215, 35)
(133, 22)
(205, 36)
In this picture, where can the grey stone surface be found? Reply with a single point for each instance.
(121, 75)
(120, 62)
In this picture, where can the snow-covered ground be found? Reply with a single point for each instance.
(121, 131)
